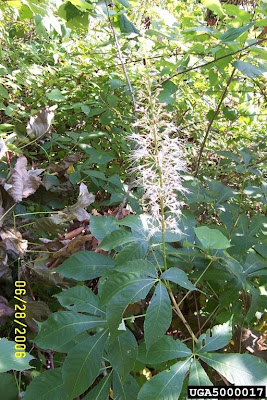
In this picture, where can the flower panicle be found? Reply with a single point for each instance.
(158, 161)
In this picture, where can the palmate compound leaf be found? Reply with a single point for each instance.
(8, 360)
(238, 369)
(122, 353)
(85, 265)
(158, 315)
(216, 338)
(167, 384)
(164, 350)
(63, 326)
(47, 386)
(82, 364)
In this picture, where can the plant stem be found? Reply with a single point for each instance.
(212, 120)
(181, 316)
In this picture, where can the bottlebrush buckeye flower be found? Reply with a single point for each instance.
(158, 161)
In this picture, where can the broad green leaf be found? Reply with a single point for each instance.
(119, 291)
(216, 338)
(233, 10)
(127, 26)
(55, 95)
(132, 251)
(8, 360)
(239, 369)
(198, 376)
(164, 350)
(125, 3)
(8, 386)
(117, 282)
(115, 239)
(85, 265)
(126, 390)
(168, 90)
(82, 364)
(142, 267)
(166, 384)
(102, 226)
(158, 315)
(235, 268)
(234, 33)
(47, 385)
(211, 238)
(4, 92)
(62, 326)
(101, 390)
(178, 276)
(215, 6)
(122, 353)
(80, 299)
(248, 69)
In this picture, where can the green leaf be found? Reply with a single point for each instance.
(235, 268)
(120, 290)
(133, 251)
(198, 376)
(234, 33)
(8, 360)
(62, 326)
(216, 338)
(122, 353)
(233, 10)
(164, 350)
(166, 384)
(211, 238)
(102, 226)
(126, 26)
(55, 95)
(46, 386)
(85, 265)
(115, 239)
(178, 276)
(230, 113)
(125, 3)
(127, 390)
(142, 267)
(239, 369)
(215, 6)
(80, 299)
(4, 92)
(82, 364)
(8, 386)
(158, 315)
(248, 69)
(101, 390)
(166, 95)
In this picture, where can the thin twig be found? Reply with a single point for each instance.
(212, 120)
(132, 177)
(209, 62)
(181, 316)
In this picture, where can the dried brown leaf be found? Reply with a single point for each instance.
(66, 162)
(77, 210)
(5, 309)
(23, 182)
